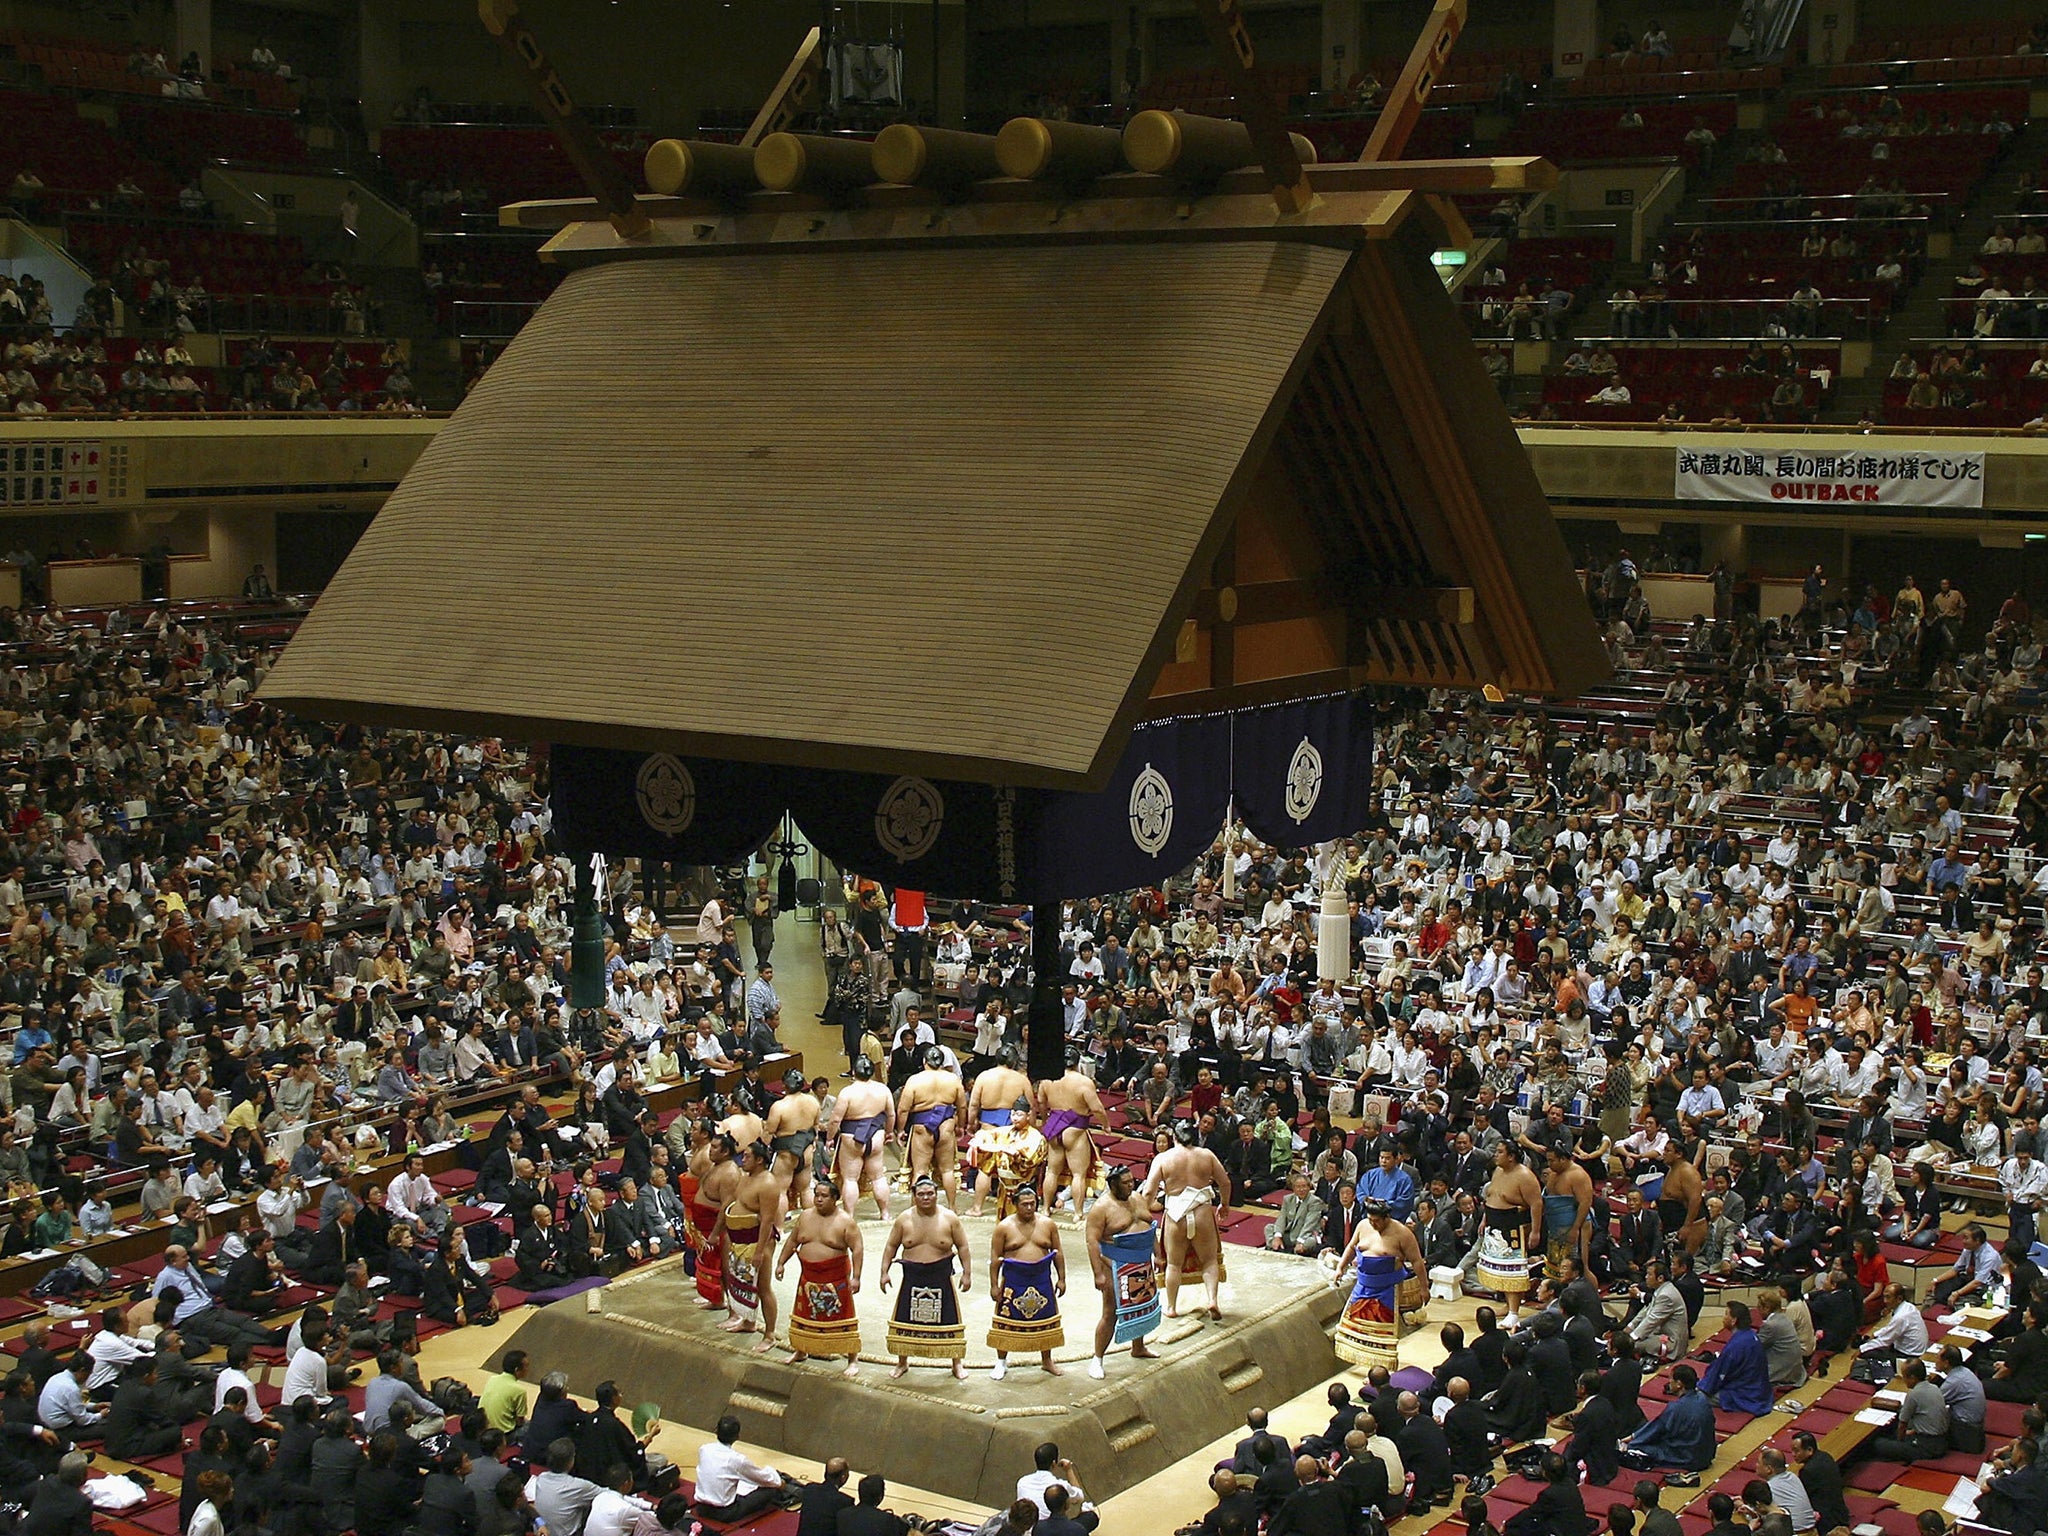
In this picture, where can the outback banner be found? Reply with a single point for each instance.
(1856, 477)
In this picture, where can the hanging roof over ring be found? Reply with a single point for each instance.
(960, 487)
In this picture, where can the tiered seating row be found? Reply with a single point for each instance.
(1568, 134)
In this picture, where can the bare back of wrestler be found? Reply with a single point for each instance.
(929, 1114)
(1190, 1182)
(1070, 1106)
(864, 1115)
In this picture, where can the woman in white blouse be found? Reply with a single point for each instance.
(1984, 1138)
(1909, 1098)
(1411, 1062)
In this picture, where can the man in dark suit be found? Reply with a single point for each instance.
(139, 1425)
(637, 1156)
(1277, 1477)
(1234, 1501)
(1550, 1362)
(1517, 1412)
(1316, 1507)
(1425, 1453)
(1466, 1434)
(494, 1178)
(1468, 1169)
(607, 1441)
(1458, 1361)
(1363, 1477)
(1596, 1432)
(1622, 1384)
(1342, 1218)
(1057, 1521)
(1642, 1234)
(625, 1227)
(1821, 1477)
(332, 1249)
(1689, 1285)
(1489, 1346)
(38, 1359)
(59, 1507)
(1244, 1455)
(818, 1514)
(252, 1286)
(1343, 1414)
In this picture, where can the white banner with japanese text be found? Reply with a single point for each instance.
(1857, 476)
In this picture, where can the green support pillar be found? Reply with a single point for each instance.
(586, 946)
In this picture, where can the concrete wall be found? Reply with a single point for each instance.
(94, 583)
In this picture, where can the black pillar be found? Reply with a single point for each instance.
(1045, 1041)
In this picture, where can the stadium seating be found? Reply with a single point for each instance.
(1993, 378)
(1706, 382)
(1580, 133)
(506, 164)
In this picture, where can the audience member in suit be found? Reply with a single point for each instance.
(1425, 1452)
(213, 1455)
(37, 1358)
(1458, 1361)
(1363, 1476)
(1837, 1313)
(447, 1507)
(1550, 1362)
(1622, 1384)
(1244, 1455)
(1341, 1219)
(139, 1425)
(625, 1227)
(1058, 1519)
(403, 1264)
(606, 1440)
(1558, 1510)
(59, 1507)
(1487, 1346)
(1317, 1507)
(555, 1416)
(1466, 1433)
(1276, 1477)
(387, 1495)
(818, 1514)
(494, 1178)
(1821, 1476)
(1596, 1432)
(543, 1253)
(1343, 1414)
(1235, 1504)
(332, 1249)
(1517, 1412)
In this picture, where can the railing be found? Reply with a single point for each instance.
(1818, 429)
(296, 316)
(1824, 208)
(2010, 315)
(1854, 223)
(1730, 320)
(106, 413)
(490, 319)
(485, 114)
